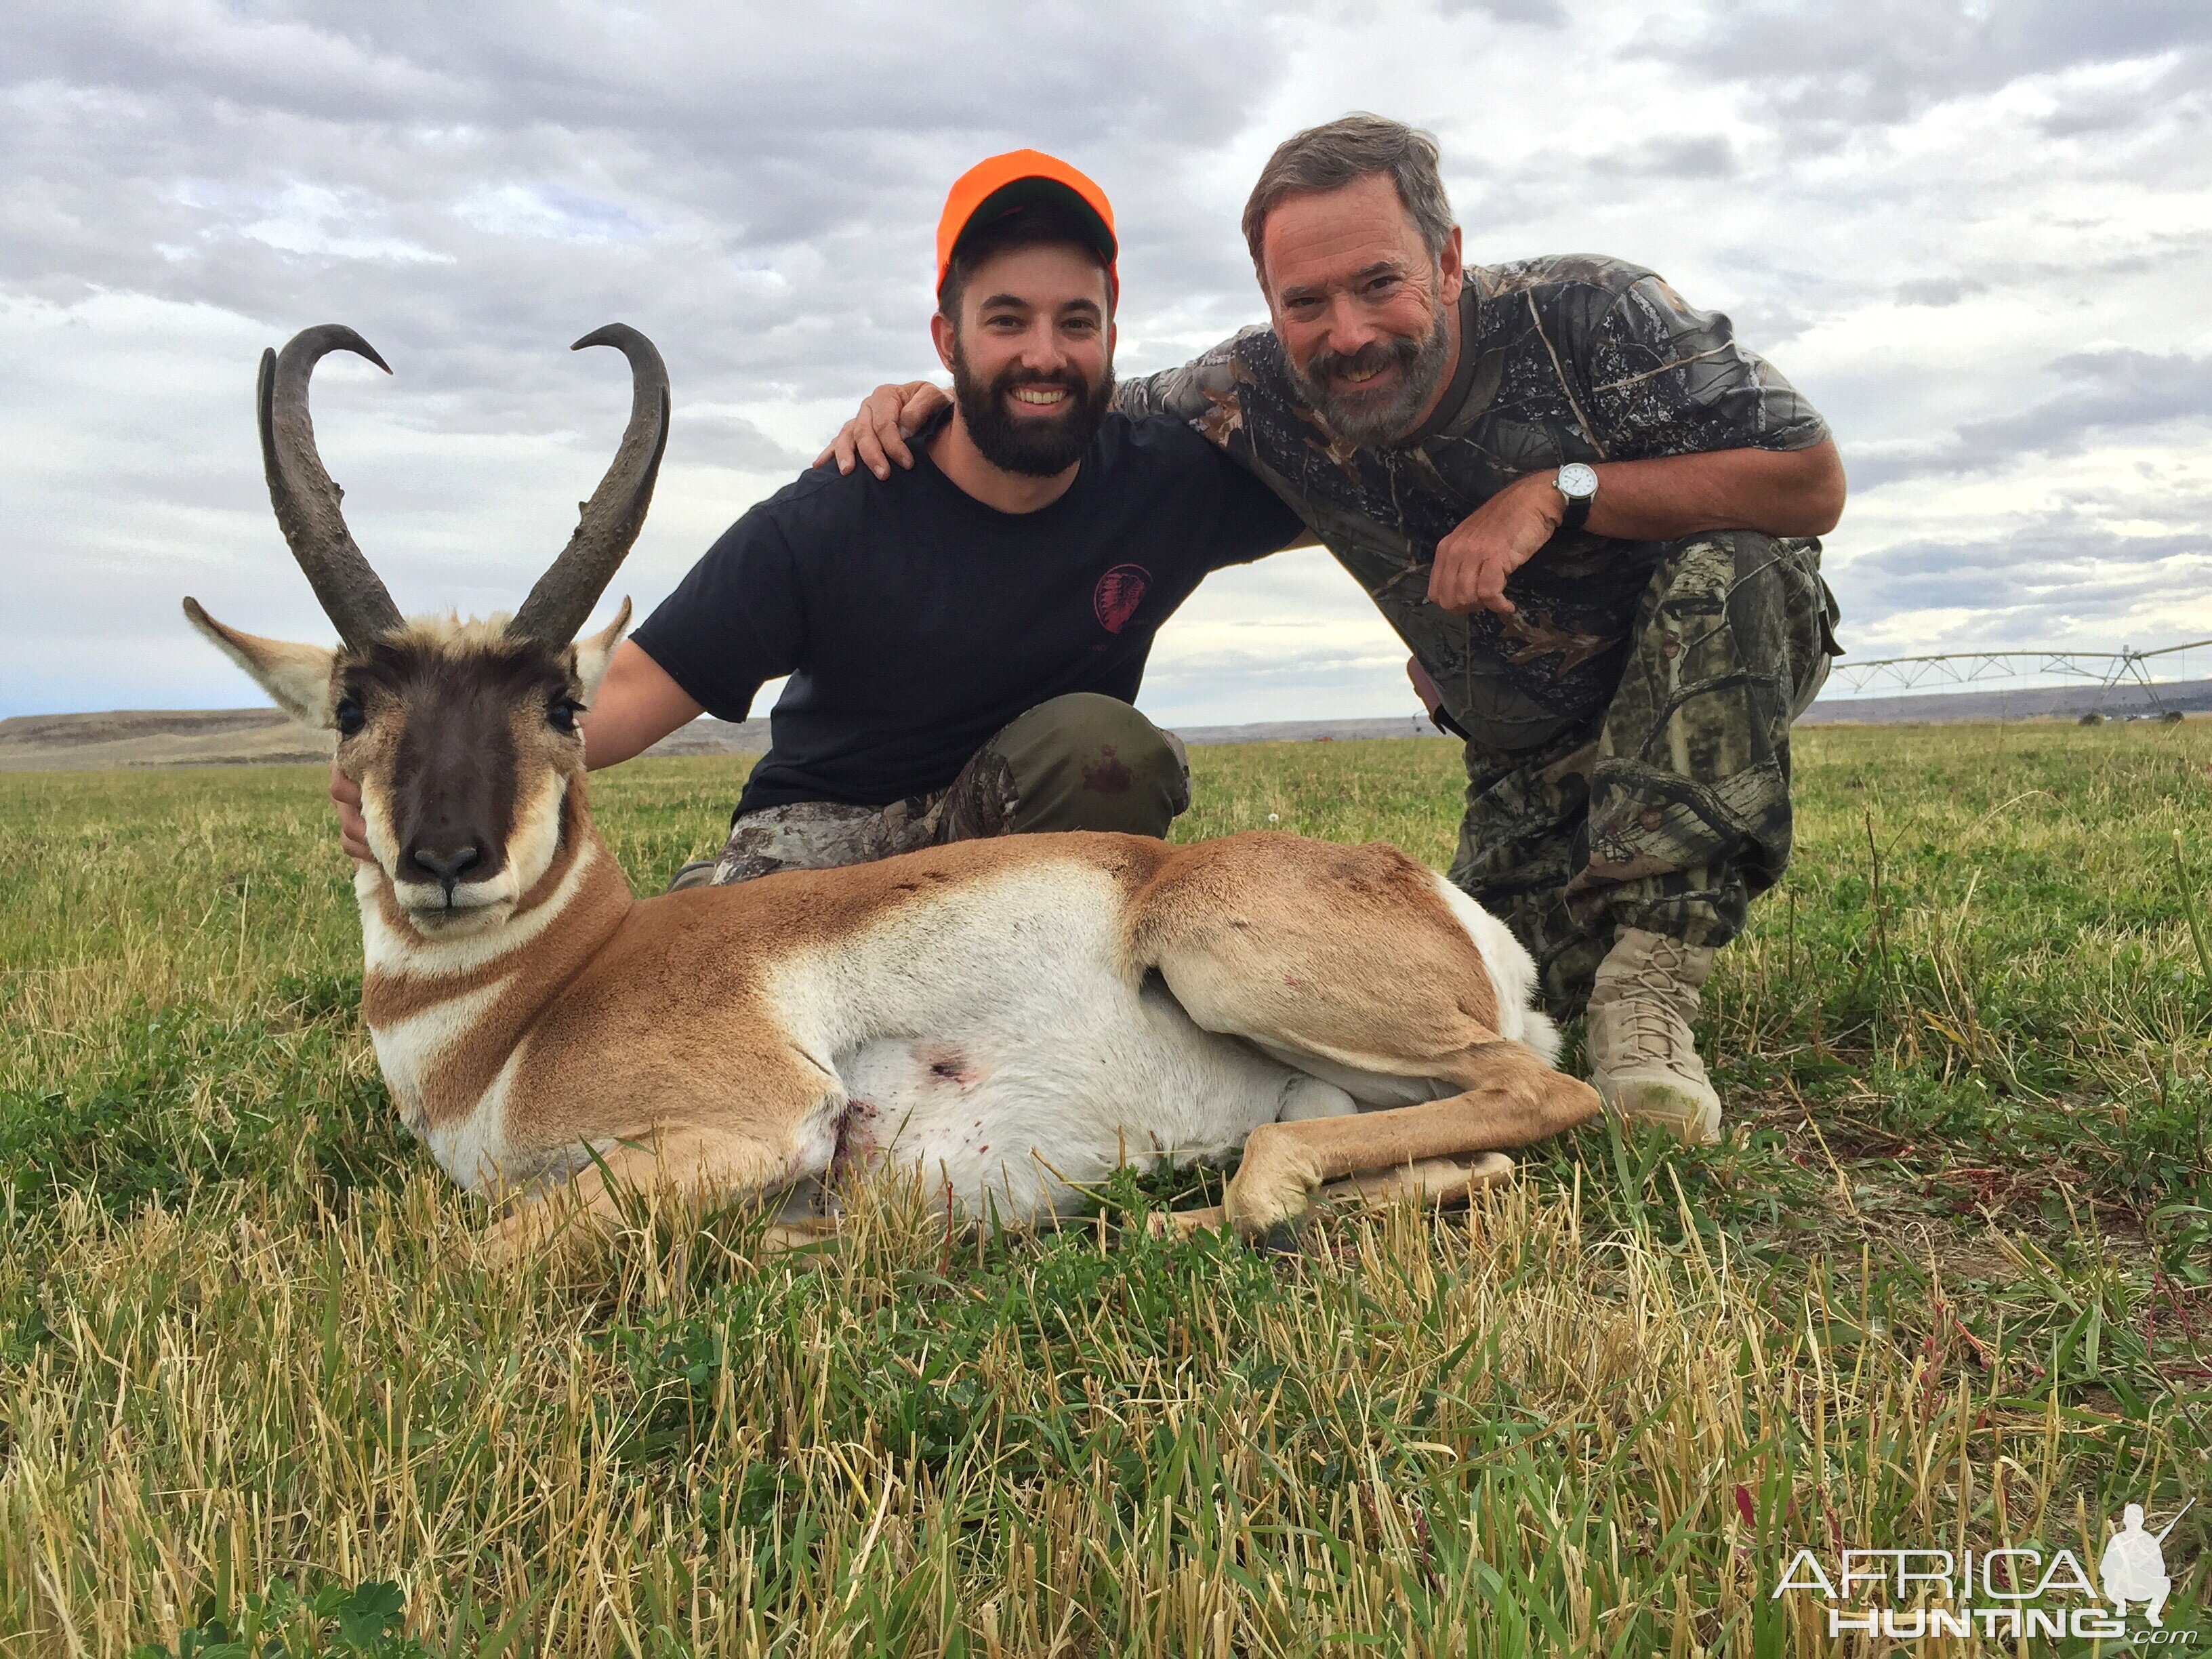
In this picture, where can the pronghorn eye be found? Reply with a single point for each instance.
(562, 715)
(348, 717)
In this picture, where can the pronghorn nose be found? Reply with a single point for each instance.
(448, 865)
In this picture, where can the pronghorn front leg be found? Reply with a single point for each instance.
(700, 1169)
(1510, 1098)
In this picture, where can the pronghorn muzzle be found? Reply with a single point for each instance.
(453, 805)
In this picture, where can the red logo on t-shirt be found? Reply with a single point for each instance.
(1118, 594)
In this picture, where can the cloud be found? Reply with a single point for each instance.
(2104, 395)
(1969, 233)
(1547, 13)
(1707, 156)
(1938, 290)
(2056, 581)
(549, 212)
(1841, 69)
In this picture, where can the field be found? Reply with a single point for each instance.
(1947, 1283)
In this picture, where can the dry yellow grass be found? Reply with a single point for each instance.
(242, 1345)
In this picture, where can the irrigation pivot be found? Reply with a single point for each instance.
(2107, 668)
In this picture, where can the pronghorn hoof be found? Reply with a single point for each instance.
(1182, 1224)
(1274, 1225)
(1284, 1238)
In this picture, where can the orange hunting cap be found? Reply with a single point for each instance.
(996, 186)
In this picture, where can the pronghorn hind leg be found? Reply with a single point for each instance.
(1351, 960)
(1434, 1183)
(1509, 1098)
(701, 1168)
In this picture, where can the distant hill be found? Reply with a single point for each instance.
(162, 737)
(223, 736)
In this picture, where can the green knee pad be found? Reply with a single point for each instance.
(1087, 761)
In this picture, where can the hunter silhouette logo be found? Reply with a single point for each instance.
(2133, 1566)
(2007, 1593)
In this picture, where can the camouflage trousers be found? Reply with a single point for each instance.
(1080, 762)
(1667, 807)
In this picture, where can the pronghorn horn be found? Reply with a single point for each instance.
(558, 606)
(305, 500)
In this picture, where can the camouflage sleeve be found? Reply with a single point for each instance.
(1189, 393)
(1666, 378)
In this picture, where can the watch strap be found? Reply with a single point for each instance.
(1577, 508)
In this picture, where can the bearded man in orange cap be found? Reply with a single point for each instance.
(965, 642)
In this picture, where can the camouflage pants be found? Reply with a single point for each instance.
(1080, 762)
(1667, 807)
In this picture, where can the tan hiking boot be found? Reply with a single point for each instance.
(1643, 1062)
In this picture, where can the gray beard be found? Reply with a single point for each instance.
(1378, 422)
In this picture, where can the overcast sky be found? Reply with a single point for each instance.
(1978, 236)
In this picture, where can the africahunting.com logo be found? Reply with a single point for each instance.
(2012, 1594)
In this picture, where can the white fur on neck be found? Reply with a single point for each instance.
(471, 1148)
(409, 1050)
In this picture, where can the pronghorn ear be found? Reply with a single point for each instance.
(297, 678)
(595, 651)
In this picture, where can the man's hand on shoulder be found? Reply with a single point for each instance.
(1491, 542)
(877, 436)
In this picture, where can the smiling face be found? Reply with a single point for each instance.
(1031, 355)
(1366, 314)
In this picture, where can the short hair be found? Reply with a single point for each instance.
(1033, 224)
(1332, 156)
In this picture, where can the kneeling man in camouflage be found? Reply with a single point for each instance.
(963, 645)
(1590, 512)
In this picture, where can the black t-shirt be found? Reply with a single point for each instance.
(915, 620)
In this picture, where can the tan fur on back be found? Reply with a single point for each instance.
(1241, 916)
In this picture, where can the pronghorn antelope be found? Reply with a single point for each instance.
(1016, 1016)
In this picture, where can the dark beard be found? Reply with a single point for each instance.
(1377, 420)
(1035, 447)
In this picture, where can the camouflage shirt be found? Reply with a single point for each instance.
(1573, 358)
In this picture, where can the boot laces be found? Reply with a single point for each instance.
(1651, 1026)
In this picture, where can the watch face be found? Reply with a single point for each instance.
(1576, 481)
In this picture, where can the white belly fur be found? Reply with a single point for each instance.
(994, 1041)
(1018, 1118)
(993, 1038)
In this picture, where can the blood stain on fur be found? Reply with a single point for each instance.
(947, 1064)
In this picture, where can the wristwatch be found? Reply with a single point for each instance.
(1577, 487)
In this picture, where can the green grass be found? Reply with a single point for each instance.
(1947, 1281)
